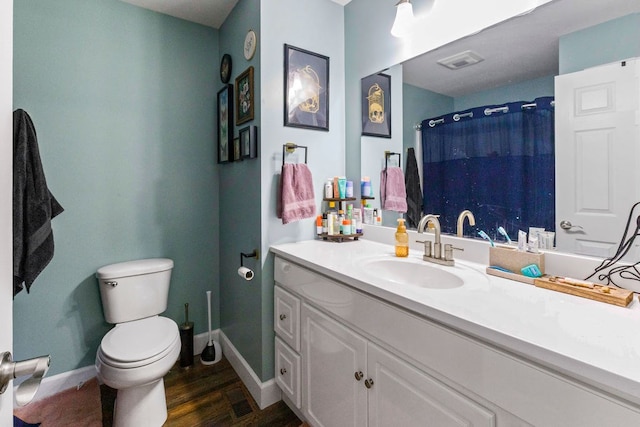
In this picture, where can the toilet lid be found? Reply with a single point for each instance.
(139, 340)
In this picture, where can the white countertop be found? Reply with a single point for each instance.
(591, 341)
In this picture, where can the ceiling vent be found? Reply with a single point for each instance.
(461, 60)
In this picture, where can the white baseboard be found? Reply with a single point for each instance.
(265, 394)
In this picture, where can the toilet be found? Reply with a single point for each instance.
(138, 352)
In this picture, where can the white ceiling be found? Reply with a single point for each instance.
(211, 13)
(520, 49)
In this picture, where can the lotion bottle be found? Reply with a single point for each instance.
(402, 239)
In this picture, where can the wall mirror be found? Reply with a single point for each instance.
(520, 59)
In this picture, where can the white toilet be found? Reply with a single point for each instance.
(138, 352)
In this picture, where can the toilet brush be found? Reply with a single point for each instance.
(208, 355)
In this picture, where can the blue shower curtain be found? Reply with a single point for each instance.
(499, 166)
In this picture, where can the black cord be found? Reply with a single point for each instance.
(629, 272)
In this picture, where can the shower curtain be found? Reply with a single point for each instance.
(498, 165)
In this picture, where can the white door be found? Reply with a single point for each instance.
(597, 137)
(6, 185)
(402, 395)
(332, 356)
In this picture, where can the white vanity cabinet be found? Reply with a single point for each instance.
(346, 379)
(429, 361)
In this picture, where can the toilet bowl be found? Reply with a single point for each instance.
(133, 358)
(139, 351)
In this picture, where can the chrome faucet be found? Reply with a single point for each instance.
(464, 214)
(422, 226)
(438, 256)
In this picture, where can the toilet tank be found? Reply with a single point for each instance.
(134, 290)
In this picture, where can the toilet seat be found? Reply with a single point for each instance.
(139, 343)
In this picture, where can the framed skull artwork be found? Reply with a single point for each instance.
(376, 105)
(306, 89)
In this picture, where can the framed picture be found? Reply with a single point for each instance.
(306, 89)
(376, 105)
(249, 142)
(225, 124)
(244, 96)
(236, 150)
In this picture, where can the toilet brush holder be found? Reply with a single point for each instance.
(211, 353)
(186, 340)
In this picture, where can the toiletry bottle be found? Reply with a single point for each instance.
(402, 239)
(319, 224)
(328, 189)
(349, 190)
(325, 228)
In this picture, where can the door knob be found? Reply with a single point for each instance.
(36, 368)
(566, 225)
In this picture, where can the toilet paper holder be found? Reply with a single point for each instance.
(255, 254)
(244, 272)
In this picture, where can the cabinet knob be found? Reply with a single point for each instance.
(359, 375)
(368, 383)
(283, 316)
(283, 371)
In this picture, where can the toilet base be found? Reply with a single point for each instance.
(145, 405)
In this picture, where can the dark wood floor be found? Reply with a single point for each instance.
(209, 396)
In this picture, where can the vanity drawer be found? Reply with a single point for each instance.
(288, 371)
(286, 322)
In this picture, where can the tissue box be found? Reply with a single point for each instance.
(512, 259)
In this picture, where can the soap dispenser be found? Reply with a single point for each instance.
(402, 239)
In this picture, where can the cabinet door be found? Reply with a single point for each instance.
(332, 355)
(402, 395)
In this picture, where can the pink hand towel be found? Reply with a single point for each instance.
(298, 200)
(393, 194)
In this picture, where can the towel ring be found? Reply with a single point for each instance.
(290, 147)
(388, 154)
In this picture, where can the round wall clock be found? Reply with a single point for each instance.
(250, 43)
(225, 68)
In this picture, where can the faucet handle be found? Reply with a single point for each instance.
(448, 251)
(427, 247)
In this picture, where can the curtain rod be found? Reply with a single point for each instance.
(487, 112)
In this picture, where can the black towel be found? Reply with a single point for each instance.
(414, 193)
(33, 206)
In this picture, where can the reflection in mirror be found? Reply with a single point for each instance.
(520, 61)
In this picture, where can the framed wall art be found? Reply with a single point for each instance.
(249, 142)
(376, 105)
(306, 89)
(225, 124)
(244, 96)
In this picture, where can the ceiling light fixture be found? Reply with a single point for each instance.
(404, 19)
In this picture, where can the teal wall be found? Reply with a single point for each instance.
(419, 104)
(123, 100)
(523, 91)
(240, 300)
(608, 42)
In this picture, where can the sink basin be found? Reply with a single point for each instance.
(411, 272)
